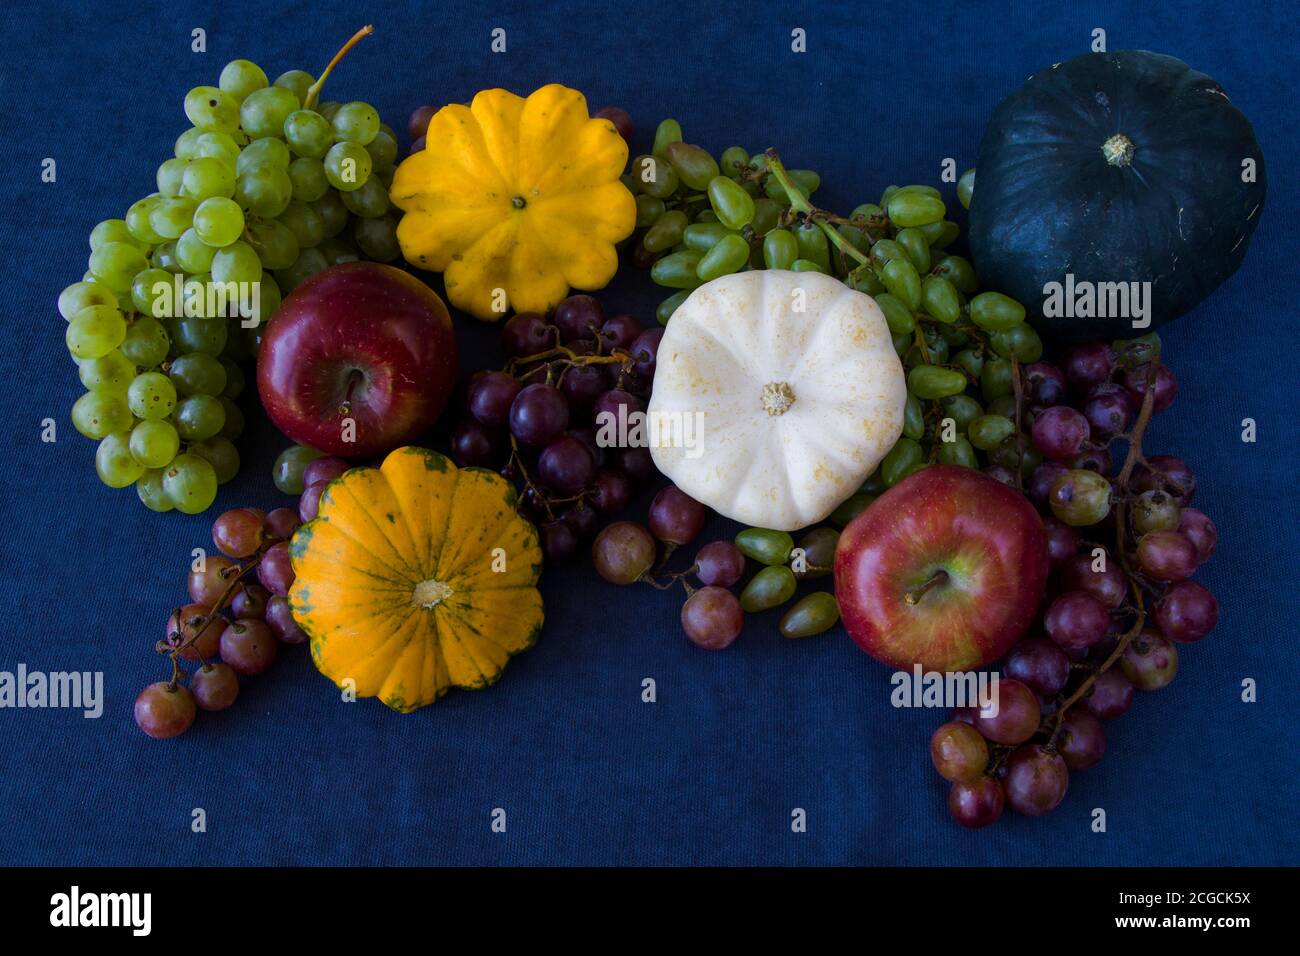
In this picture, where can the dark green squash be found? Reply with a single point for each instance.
(1115, 168)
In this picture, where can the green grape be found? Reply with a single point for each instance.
(205, 177)
(234, 424)
(940, 299)
(241, 77)
(766, 215)
(267, 151)
(304, 223)
(703, 236)
(286, 473)
(770, 587)
(299, 82)
(164, 258)
(338, 249)
(308, 263)
(274, 243)
(328, 108)
(235, 382)
(211, 109)
(146, 342)
(813, 245)
(172, 216)
(940, 235)
(958, 452)
(237, 262)
(898, 316)
(98, 414)
(189, 482)
(1004, 405)
(971, 362)
(149, 488)
(966, 188)
(734, 161)
(219, 146)
(959, 272)
(913, 418)
(152, 291)
(368, 202)
(995, 312)
(901, 279)
(170, 177)
(114, 462)
(221, 454)
(677, 271)
(668, 132)
(113, 230)
(996, 379)
(268, 302)
(347, 166)
(915, 245)
(115, 264)
(151, 396)
(850, 508)
(81, 295)
(137, 220)
(914, 208)
(264, 190)
(728, 256)
(931, 381)
(1020, 342)
(108, 373)
(377, 239)
(855, 237)
(187, 143)
(903, 459)
(655, 176)
(307, 177)
(206, 334)
(664, 311)
(807, 265)
(989, 431)
(198, 373)
(333, 214)
(383, 149)
(648, 211)
(193, 254)
(864, 280)
(219, 221)
(805, 180)
(154, 443)
(694, 165)
(308, 133)
(95, 331)
(884, 251)
(668, 231)
(264, 111)
(963, 410)
(733, 206)
(199, 417)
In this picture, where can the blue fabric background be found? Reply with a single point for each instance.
(586, 772)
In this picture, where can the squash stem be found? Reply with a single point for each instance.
(313, 91)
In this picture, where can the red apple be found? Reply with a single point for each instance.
(360, 341)
(946, 570)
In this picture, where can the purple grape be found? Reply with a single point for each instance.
(1110, 585)
(1167, 556)
(1059, 432)
(528, 334)
(582, 519)
(976, 803)
(619, 404)
(1087, 366)
(566, 465)
(309, 500)
(1110, 695)
(1186, 612)
(275, 570)
(1036, 780)
(611, 491)
(490, 397)
(1045, 384)
(588, 437)
(324, 469)
(250, 600)
(1062, 541)
(1076, 621)
(1108, 409)
(712, 618)
(1199, 530)
(1082, 741)
(1001, 473)
(583, 384)
(637, 462)
(1038, 664)
(215, 686)
(719, 564)
(474, 444)
(1135, 380)
(1169, 474)
(280, 620)
(1092, 459)
(578, 317)
(1040, 482)
(619, 331)
(559, 541)
(676, 517)
(538, 414)
(645, 350)
(1017, 717)
(248, 646)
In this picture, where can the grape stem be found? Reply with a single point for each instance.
(200, 624)
(799, 202)
(313, 91)
(1121, 549)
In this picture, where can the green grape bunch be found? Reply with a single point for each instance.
(267, 188)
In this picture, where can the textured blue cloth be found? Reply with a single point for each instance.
(585, 771)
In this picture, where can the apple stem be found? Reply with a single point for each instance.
(313, 91)
(913, 598)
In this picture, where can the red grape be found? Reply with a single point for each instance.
(976, 803)
(215, 686)
(578, 317)
(538, 414)
(250, 601)
(248, 646)
(1077, 621)
(618, 404)
(559, 540)
(582, 519)
(1167, 473)
(527, 333)
(164, 711)
(1167, 556)
(473, 444)
(623, 552)
(209, 639)
(238, 533)
(720, 564)
(1017, 717)
(1200, 530)
(958, 752)
(1082, 741)
(618, 332)
(1087, 366)
(418, 121)
(1039, 486)
(620, 118)
(610, 491)
(1108, 409)
(1092, 459)
(1186, 612)
(1110, 695)
(275, 570)
(1109, 585)
(207, 586)
(309, 500)
(1039, 664)
(1036, 780)
(583, 384)
(637, 462)
(1150, 661)
(280, 620)
(1062, 541)
(1059, 432)
(1044, 384)
(1166, 385)
(566, 465)
(282, 523)
(645, 349)
(417, 145)
(712, 618)
(490, 397)
(676, 517)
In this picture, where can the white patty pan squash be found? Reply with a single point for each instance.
(798, 390)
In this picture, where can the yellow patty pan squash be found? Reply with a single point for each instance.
(515, 201)
(415, 577)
